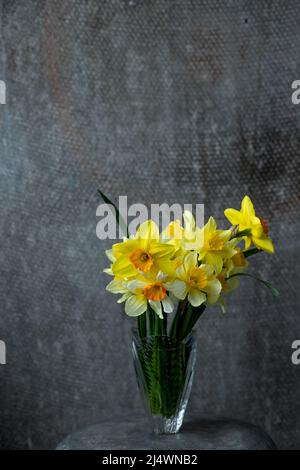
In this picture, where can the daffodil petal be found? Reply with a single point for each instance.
(209, 270)
(168, 305)
(190, 261)
(156, 306)
(264, 244)
(110, 256)
(247, 207)
(189, 220)
(108, 271)
(247, 242)
(124, 247)
(215, 259)
(135, 284)
(180, 272)
(196, 297)
(148, 230)
(116, 287)
(178, 289)
(124, 297)
(161, 250)
(122, 266)
(213, 290)
(224, 234)
(211, 225)
(135, 305)
(233, 216)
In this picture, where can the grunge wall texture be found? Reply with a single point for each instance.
(164, 101)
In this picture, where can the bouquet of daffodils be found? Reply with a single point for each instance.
(186, 266)
(167, 280)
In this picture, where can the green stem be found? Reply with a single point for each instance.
(151, 320)
(185, 318)
(176, 320)
(191, 317)
(242, 233)
(142, 326)
(196, 314)
(251, 252)
(165, 325)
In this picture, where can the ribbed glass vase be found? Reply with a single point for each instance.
(164, 368)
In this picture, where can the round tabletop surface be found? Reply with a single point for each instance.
(133, 433)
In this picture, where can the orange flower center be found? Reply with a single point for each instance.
(198, 278)
(141, 260)
(155, 291)
(239, 259)
(215, 243)
(264, 225)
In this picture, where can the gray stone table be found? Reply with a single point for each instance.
(133, 434)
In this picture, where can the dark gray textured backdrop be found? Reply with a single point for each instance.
(164, 101)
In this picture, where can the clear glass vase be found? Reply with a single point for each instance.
(164, 368)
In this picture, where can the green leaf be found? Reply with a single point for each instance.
(120, 221)
(267, 284)
(251, 252)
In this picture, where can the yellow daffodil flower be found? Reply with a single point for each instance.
(216, 245)
(247, 219)
(197, 283)
(173, 234)
(143, 253)
(184, 238)
(139, 292)
(228, 283)
(237, 263)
